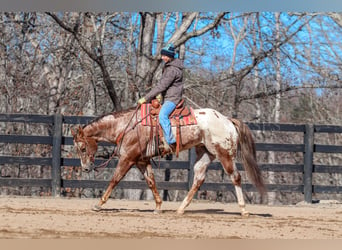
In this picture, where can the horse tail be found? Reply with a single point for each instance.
(247, 154)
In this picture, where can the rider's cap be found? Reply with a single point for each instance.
(168, 50)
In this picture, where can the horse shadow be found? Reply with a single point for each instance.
(187, 212)
(223, 212)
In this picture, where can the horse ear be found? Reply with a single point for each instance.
(77, 132)
(80, 131)
(73, 132)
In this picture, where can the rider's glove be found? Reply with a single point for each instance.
(159, 97)
(141, 100)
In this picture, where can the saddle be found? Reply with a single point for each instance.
(181, 116)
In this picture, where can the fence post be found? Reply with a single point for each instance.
(308, 161)
(192, 160)
(56, 155)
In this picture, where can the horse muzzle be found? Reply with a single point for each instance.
(88, 167)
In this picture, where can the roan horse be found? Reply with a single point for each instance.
(214, 137)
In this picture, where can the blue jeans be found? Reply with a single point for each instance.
(165, 123)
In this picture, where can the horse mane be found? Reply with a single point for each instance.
(115, 114)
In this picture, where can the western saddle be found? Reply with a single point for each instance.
(156, 136)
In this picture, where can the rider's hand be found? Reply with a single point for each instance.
(159, 97)
(141, 100)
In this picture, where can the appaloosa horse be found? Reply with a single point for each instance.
(214, 137)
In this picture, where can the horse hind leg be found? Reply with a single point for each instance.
(231, 169)
(236, 180)
(202, 162)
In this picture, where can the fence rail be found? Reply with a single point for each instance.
(57, 139)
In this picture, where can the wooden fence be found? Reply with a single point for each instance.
(57, 139)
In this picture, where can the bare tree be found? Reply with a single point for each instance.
(337, 17)
(148, 62)
(95, 48)
(277, 107)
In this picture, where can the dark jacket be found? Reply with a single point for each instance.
(170, 84)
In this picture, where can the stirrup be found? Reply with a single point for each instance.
(166, 148)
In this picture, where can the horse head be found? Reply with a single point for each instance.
(86, 148)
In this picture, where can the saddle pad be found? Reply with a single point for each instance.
(183, 120)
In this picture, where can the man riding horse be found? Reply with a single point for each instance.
(169, 89)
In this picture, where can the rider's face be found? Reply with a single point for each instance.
(166, 58)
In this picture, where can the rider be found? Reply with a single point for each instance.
(170, 87)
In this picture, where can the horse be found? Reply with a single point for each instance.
(215, 136)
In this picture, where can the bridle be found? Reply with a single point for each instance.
(119, 141)
(89, 154)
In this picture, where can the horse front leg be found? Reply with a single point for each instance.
(120, 171)
(147, 171)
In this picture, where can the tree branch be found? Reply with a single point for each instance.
(274, 92)
(195, 33)
(262, 55)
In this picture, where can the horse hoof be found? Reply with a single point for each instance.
(180, 212)
(245, 214)
(157, 211)
(96, 208)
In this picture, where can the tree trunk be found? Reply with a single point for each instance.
(144, 56)
(276, 111)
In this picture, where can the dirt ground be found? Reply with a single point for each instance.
(54, 218)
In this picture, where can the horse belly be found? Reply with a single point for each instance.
(190, 136)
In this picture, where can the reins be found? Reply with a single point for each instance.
(120, 138)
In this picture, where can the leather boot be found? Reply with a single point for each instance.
(166, 148)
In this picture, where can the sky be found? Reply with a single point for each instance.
(174, 5)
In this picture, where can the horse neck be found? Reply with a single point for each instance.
(109, 127)
(105, 129)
